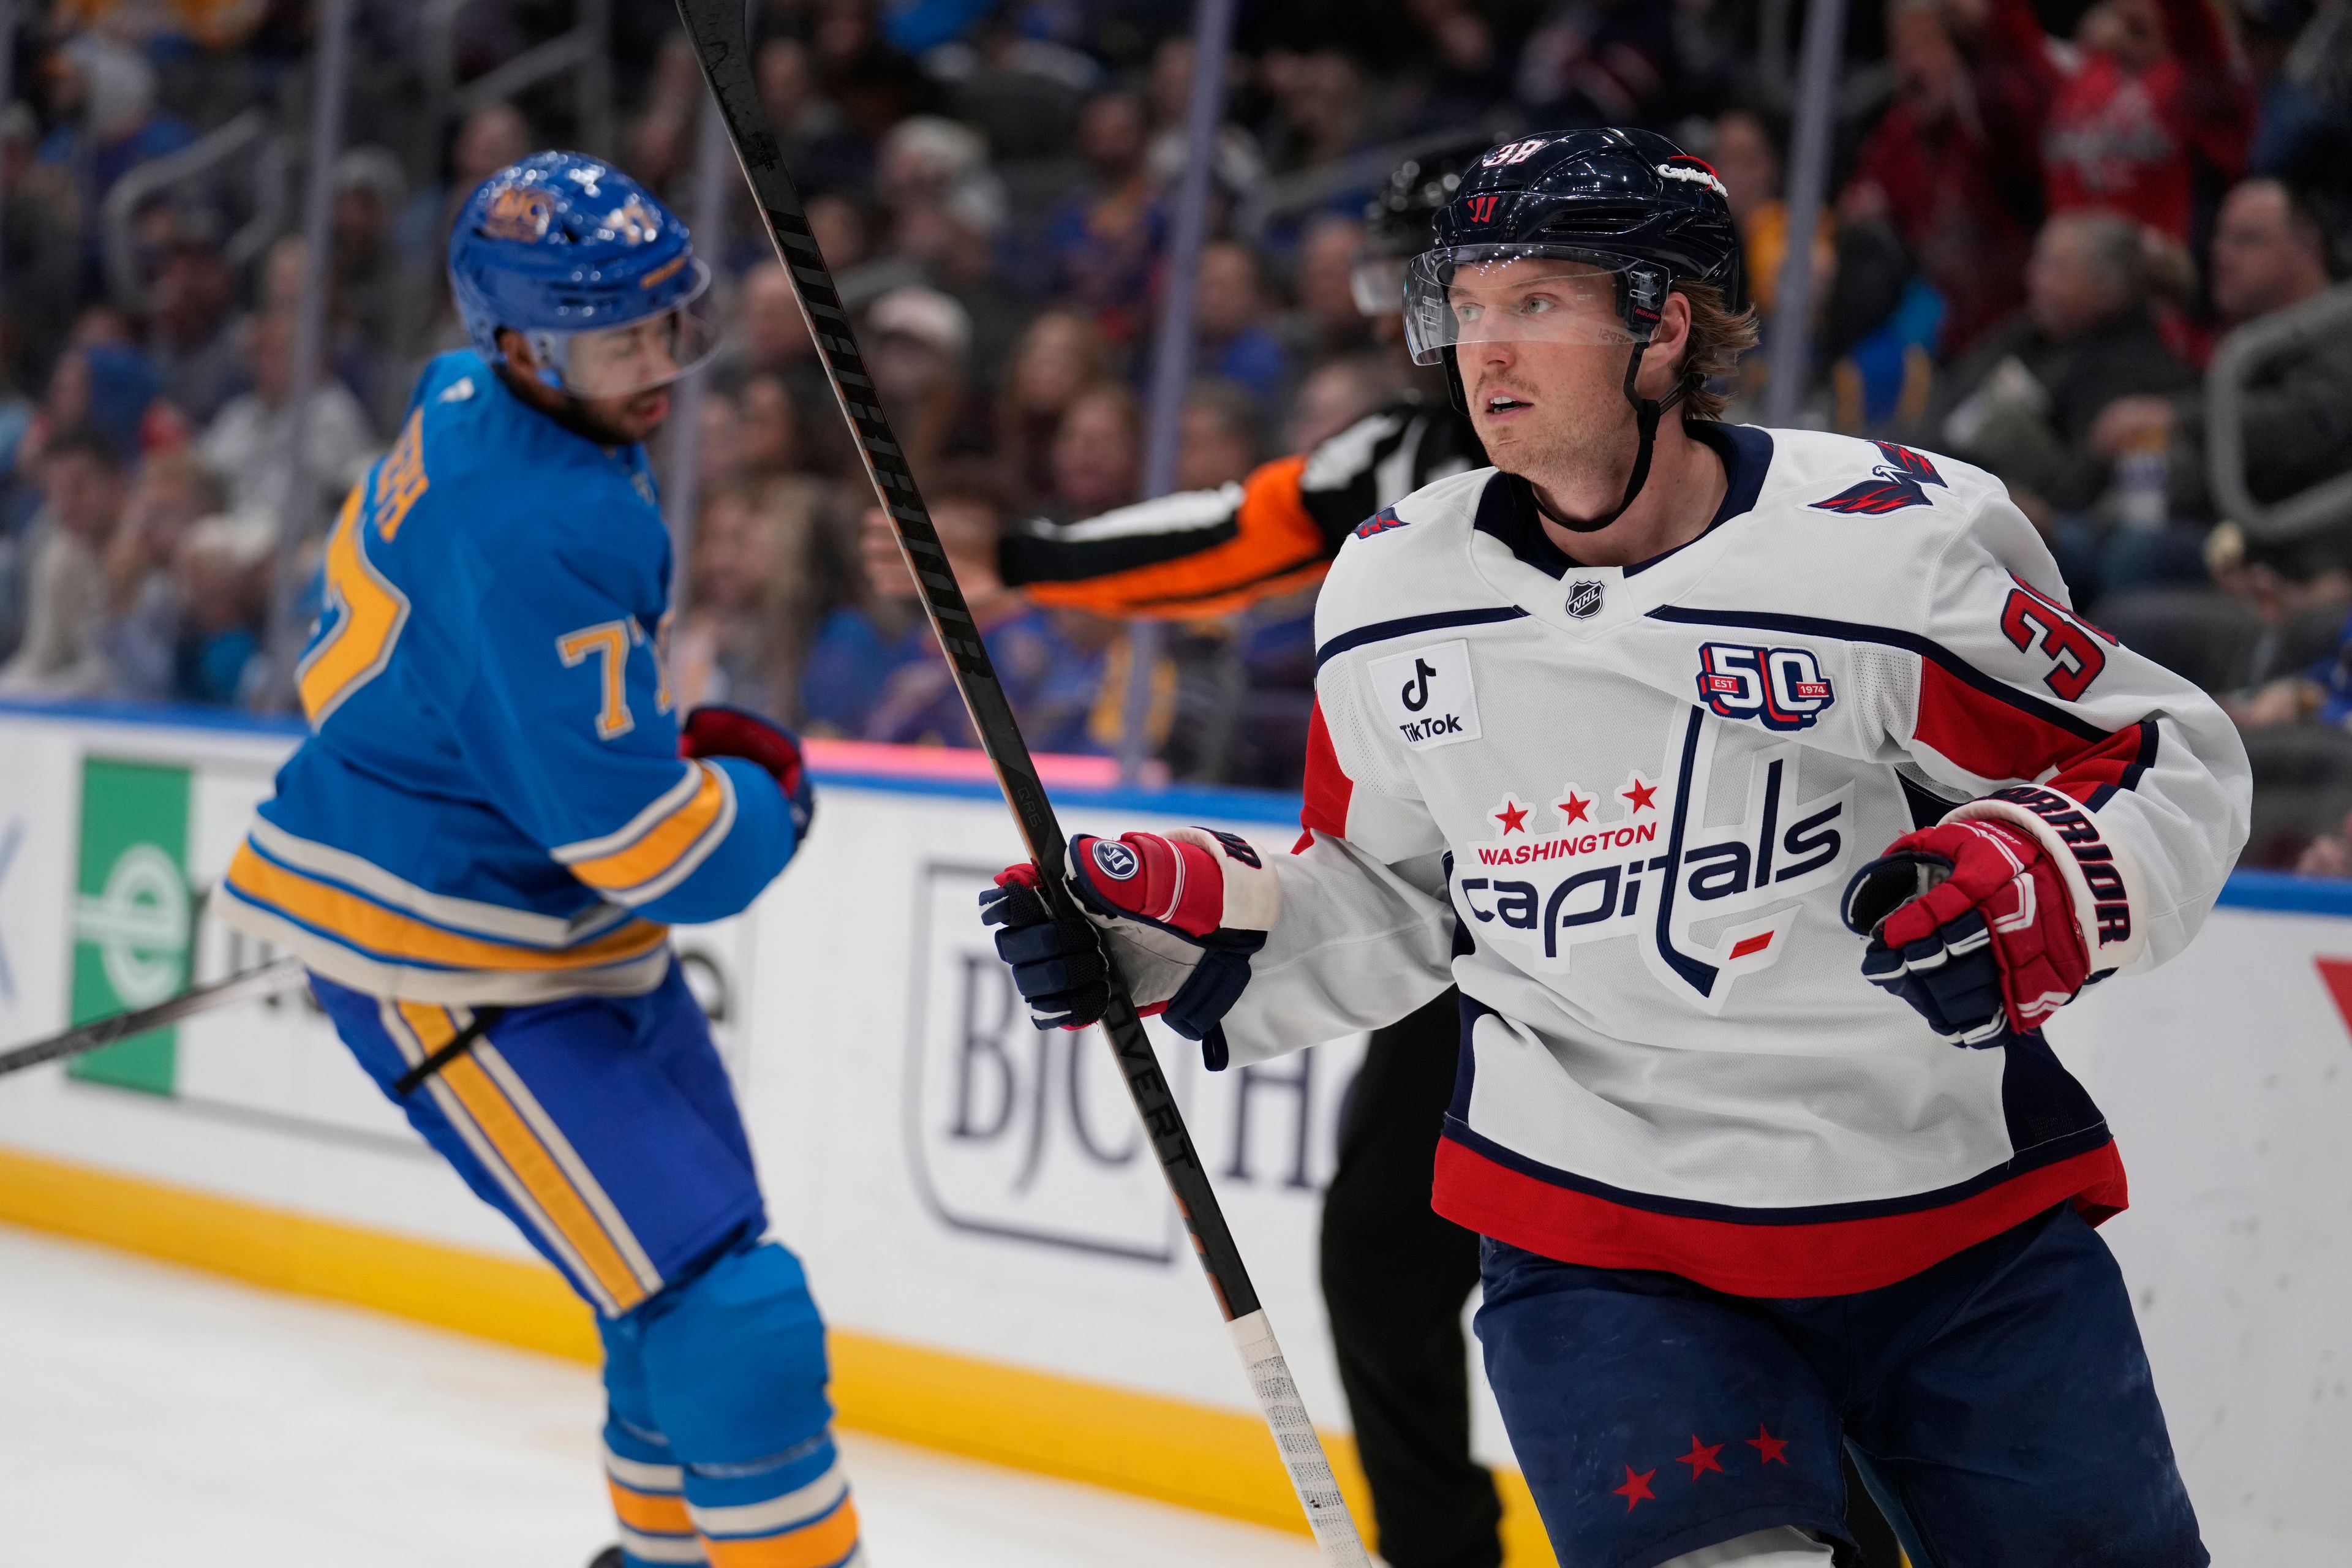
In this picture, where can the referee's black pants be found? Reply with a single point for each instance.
(1396, 1277)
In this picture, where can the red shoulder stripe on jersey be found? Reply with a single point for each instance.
(1328, 788)
(1834, 1257)
(1987, 734)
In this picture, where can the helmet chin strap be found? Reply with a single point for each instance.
(1646, 414)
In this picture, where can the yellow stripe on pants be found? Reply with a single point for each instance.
(527, 1158)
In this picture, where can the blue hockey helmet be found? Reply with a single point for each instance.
(562, 245)
(1573, 237)
(1626, 210)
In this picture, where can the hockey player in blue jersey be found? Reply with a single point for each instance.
(496, 817)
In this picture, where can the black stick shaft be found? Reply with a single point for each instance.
(715, 27)
(99, 1033)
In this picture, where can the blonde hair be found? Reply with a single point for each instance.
(1718, 336)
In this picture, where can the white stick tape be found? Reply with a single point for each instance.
(1302, 1450)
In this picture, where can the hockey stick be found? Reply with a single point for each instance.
(717, 30)
(99, 1033)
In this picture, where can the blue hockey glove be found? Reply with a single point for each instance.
(1184, 911)
(721, 732)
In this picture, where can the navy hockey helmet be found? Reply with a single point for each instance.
(1573, 237)
(1396, 218)
(562, 245)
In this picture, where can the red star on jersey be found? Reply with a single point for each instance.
(1701, 1458)
(1513, 818)
(1576, 808)
(1641, 794)
(1636, 1487)
(1766, 1444)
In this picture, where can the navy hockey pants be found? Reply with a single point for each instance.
(605, 1128)
(2000, 1402)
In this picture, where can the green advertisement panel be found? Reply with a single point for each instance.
(132, 918)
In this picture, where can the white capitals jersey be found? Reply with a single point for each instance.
(1618, 808)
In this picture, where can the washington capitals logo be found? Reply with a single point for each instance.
(1380, 522)
(1902, 480)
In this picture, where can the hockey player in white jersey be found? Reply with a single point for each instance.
(1764, 797)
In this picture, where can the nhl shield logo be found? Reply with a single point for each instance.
(1585, 598)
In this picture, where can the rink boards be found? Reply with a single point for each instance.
(987, 1232)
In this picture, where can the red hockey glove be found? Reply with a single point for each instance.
(1186, 911)
(1971, 922)
(720, 732)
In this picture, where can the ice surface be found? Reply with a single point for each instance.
(150, 1413)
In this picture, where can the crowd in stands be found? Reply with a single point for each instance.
(2047, 217)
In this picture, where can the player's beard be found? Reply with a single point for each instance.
(1572, 447)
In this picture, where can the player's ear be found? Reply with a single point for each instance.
(1662, 363)
(516, 348)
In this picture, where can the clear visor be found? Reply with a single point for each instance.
(621, 361)
(1511, 293)
(1378, 284)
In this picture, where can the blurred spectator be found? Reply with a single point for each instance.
(41, 243)
(223, 568)
(1600, 62)
(1233, 339)
(1021, 92)
(1320, 102)
(103, 100)
(767, 427)
(772, 337)
(661, 143)
(251, 441)
(870, 83)
(718, 457)
(1217, 440)
(379, 293)
(2027, 399)
(1327, 323)
(145, 606)
(1059, 357)
(752, 600)
(917, 340)
(2160, 89)
(2302, 65)
(191, 333)
(945, 226)
(1238, 165)
(1746, 155)
(490, 138)
(1098, 452)
(1934, 168)
(798, 112)
(866, 683)
(2270, 253)
(1097, 244)
(65, 602)
(1335, 397)
(103, 385)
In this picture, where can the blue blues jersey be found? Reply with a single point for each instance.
(491, 806)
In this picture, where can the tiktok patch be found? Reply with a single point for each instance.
(1428, 695)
